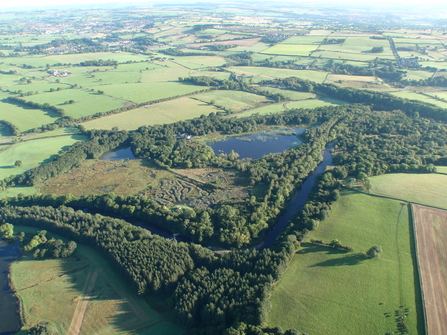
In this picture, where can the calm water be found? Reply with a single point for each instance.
(298, 199)
(258, 145)
(116, 155)
(9, 305)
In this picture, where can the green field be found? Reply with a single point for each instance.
(325, 291)
(15, 191)
(360, 45)
(165, 112)
(424, 98)
(25, 118)
(232, 100)
(55, 289)
(314, 103)
(143, 92)
(41, 61)
(441, 169)
(85, 102)
(350, 56)
(416, 75)
(261, 73)
(275, 108)
(304, 40)
(33, 153)
(426, 189)
(291, 49)
(291, 95)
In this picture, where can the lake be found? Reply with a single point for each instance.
(118, 154)
(257, 145)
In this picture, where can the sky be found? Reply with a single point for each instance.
(43, 3)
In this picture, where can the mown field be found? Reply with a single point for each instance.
(142, 92)
(25, 118)
(430, 226)
(233, 100)
(291, 49)
(164, 112)
(427, 189)
(262, 73)
(33, 153)
(325, 291)
(82, 295)
(85, 103)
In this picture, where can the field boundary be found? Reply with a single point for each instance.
(418, 269)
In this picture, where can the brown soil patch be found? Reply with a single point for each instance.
(430, 226)
(95, 177)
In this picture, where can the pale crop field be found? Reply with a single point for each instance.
(430, 226)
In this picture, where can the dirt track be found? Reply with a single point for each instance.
(430, 225)
(78, 317)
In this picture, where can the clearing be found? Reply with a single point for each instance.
(82, 295)
(327, 291)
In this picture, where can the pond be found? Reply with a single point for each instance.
(9, 305)
(258, 145)
(118, 154)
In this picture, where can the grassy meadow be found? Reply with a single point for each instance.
(232, 100)
(426, 189)
(82, 294)
(85, 102)
(25, 118)
(33, 153)
(262, 73)
(165, 112)
(142, 92)
(291, 49)
(326, 291)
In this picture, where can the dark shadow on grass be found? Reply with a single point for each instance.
(351, 259)
(309, 248)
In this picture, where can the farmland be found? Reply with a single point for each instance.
(427, 189)
(430, 227)
(164, 112)
(33, 152)
(124, 78)
(82, 295)
(326, 291)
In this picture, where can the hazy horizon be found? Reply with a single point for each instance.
(377, 4)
